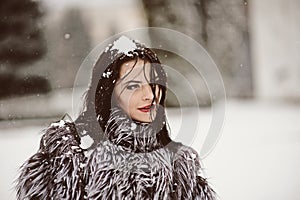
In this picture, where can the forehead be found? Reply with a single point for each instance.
(135, 68)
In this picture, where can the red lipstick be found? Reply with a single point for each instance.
(145, 108)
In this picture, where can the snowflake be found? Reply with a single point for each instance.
(107, 74)
(65, 138)
(133, 126)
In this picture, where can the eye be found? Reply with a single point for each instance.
(132, 86)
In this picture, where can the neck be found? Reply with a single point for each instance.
(132, 135)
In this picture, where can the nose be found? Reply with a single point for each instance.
(147, 93)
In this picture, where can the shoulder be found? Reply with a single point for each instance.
(60, 134)
(188, 181)
(60, 126)
(187, 152)
(60, 140)
(184, 154)
(56, 167)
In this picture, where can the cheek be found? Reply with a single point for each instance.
(132, 101)
(124, 102)
(127, 100)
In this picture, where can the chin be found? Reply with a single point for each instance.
(143, 119)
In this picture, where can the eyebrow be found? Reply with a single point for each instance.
(132, 81)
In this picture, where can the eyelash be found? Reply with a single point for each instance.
(135, 85)
(132, 86)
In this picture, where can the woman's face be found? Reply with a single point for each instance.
(133, 92)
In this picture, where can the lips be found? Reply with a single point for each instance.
(145, 108)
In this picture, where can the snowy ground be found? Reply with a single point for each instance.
(256, 158)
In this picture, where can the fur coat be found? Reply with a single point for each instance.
(124, 166)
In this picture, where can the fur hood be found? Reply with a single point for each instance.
(61, 170)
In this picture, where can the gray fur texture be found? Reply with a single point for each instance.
(129, 164)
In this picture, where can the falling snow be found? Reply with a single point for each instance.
(67, 36)
(263, 135)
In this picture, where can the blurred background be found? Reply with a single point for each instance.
(255, 45)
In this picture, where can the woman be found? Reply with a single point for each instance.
(132, 156)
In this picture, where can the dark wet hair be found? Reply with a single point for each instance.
(98, 98)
